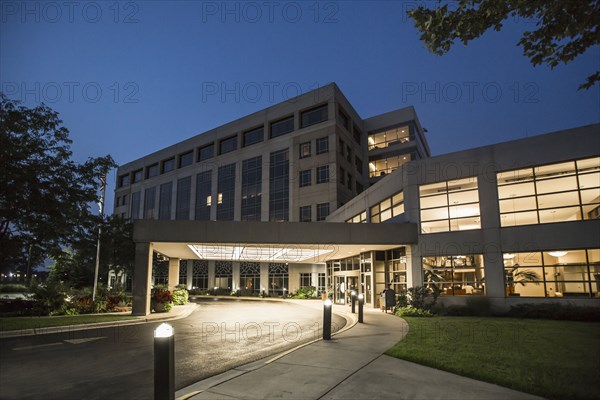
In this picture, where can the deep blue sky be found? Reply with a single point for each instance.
(157, 64)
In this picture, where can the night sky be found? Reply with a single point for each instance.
(130, 78)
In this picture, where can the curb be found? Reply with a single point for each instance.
(81, 327)
(351, 321)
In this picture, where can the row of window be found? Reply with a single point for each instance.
(321, 144)
(323, 212)
(225, 201)
(226, 145)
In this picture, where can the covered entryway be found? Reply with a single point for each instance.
(275, 243)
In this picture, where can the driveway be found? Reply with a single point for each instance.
(117, 362)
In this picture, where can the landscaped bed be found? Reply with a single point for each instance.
(552, 359)
(18, 323)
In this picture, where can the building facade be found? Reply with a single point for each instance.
(516, 221)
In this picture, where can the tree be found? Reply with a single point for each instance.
(117, 249)
(44, 194)
(565, 28)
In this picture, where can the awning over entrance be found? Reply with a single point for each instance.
(298, 242)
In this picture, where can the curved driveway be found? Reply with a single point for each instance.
(117, 362)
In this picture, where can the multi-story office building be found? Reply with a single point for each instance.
(295, 161)
(516, 221)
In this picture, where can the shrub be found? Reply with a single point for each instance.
(198, 292)
(49, 298)
(413, 312)
(13, 288)
(421, 297)
(555, 311)
(307, 292)
(180, 296)
(162, 296)
(16, 307)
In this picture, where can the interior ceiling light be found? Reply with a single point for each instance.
(508, 256)
(254, 253)
(557, 253)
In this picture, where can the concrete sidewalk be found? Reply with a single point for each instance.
(350, 366)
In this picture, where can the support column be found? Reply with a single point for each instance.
(142, 277)
(173, 273)
(264, 276)
(235, 275)
(190, 274)
(211, 274)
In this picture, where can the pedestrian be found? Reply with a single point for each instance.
(390, 298)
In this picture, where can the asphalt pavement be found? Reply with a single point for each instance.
(116, 362)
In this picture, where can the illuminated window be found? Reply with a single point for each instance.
(358, 218)
(552, 273)
(458, 275)
(568, 191)
(387, 165)
(449, 206)
(388, 138)
(388, 208)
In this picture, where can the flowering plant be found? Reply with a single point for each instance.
(162, 296)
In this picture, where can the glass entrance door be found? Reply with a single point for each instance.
(340, 290)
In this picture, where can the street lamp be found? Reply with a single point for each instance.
(164, 363)
(361, 301)
(327, 319)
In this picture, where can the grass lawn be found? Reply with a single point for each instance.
(552, 359)
(17, 323)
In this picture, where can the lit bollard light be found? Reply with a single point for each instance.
(361, 302)
(164, 363)
(353, 299)
(327, 320)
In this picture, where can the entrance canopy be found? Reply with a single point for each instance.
(295, 242)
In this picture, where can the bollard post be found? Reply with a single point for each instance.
(361, 301)
(164, 363)
(327, 320)
(353, 299)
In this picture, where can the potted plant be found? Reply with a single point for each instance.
(162, 300)
(516, 276)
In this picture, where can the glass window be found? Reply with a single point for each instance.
(388, 208)
(138, 175)
(149, 203)
(359, 164)
(206, 152)
(281, 127)
(323, 145)
(449, 206)
(251, 189)
(455, 275)
(343, 119)
(164, 205)
(135, 205)
(342, 176)
(358, 218)
(124, 180)
(388, 138)
(253, 136)
(305, 214)
(228, 145)
(168, 165)
(279, 186)
(186, 159)
(200, 274)
(225, 192)
(305, 279)
(567, 191)
(349, 181)
(384, 166)
(356, 134)
(323, 174)
(313, 116)
(552, 273)
(152, 171)
(305, 150)
(305, 178)
(322, 211)
(203, 195)
(250, 278)
(184, 191)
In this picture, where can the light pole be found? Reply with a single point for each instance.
(101, 204)
(361, 301)
(327, 319)
(164, 363)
